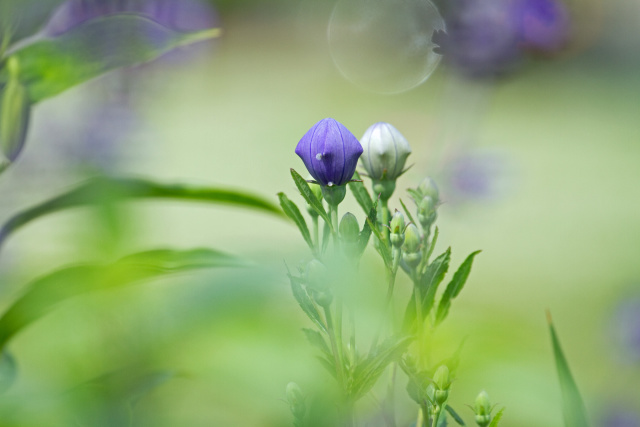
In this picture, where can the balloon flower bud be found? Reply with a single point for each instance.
(330, 153)
(482, 409)
(15, 110)
(317, 277)
(397, 227)
(412, 254)
(385, 152)
(429, 188)
(427, 212)
(442, 382)
(349, 234)
(296, 400)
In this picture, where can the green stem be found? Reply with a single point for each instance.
(333, 212)
(316, 233)
(385, 219)
(419, 319)
(337, 359)
(397, 253)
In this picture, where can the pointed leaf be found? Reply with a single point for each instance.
(497, 417)
(52, 65)
(454, 415)
(407, 212)
(312, 200)
(292, 211)
(365, 234)
(96, 190)
(454, 287)
(317, 340)
(361, 193)
(432, 278)
(572, 406)
(306, 303)
(42, 294)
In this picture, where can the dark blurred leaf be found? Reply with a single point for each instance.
(316, 340)
(497, 417)
(8, 370)
(96, 190)
(307, 194)
(573, 408)
(454, 415)
(52, 65)
(361, 193)
(367, 372)
(305, 302)
(292, 211)
(44, 293)
(432, 278)
(454, 287)
(23, 18)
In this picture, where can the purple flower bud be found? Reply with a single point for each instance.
(330, 152)
(543, 25)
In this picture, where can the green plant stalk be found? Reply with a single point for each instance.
(385, 219)
(338, 360)
(316, 234)
(419, 319)
(397, 254)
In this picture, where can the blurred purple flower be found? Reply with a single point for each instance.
(626, 328)
(621, 419)
(179, 15)
(488, 38)
(330, 152)
(543, 25)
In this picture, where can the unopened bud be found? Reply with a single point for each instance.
(296, 400)
(482, 409)
(427, 211)
(411, 239)
(441, 378)
(385, 152)
(397, 229)
(349, 229)
(429, 188)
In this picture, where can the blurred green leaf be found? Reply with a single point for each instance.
(360, 193)
(454, 287)
(23, 18)
(316, 339)
(292, 211)
(8, 370)
(326, 234)
(432, 278)
(497, 417)
(432, 244)
(457, 418)
(52, 65)
(305, 302)
(573, 408)
(96, 190)
(44, 293)
(367, 372)
(365, 234)
(312, 200)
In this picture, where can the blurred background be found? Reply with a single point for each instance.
(534, 142)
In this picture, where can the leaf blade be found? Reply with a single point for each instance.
(291, 210)
(455, 286)
(311, 199)
(360, 193)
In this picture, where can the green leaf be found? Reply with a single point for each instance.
(365, 234)
(51, 65)
(312, 200)
(382, 246)
(8, 370)
(497, 417)
(432, 278)
(454, 415)
(360, 193)
(292, 211)
(45, 292)
(306, 303)
(454, 287)
(316, 339)
(572, 406)
(367, 372)
(96, 190)
(407, 212)
(432, 244)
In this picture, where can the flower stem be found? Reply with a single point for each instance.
(337, 359)
(316, 233)
(397, 253)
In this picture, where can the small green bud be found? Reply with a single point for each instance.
(384, 188)
(349, 229)
(411, 239)
(334, 194)
(427, 211)
(15, 111)
(441, 378)
(429, 188)
(397, 229)
(296, 400)
(482, 409)
(317, 277)
(441, 396)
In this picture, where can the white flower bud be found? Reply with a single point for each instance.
(385, 151)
